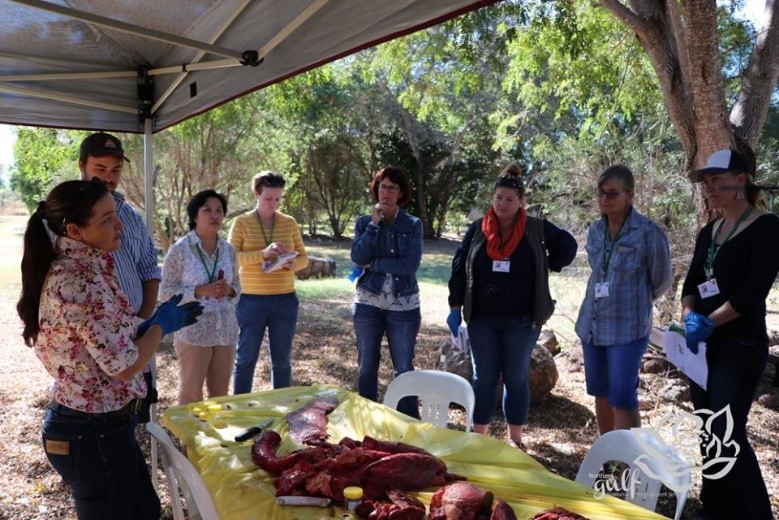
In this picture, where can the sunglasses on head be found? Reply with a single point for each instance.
(507, 181)
(272, 181)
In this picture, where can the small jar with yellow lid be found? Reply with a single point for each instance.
(353, 496)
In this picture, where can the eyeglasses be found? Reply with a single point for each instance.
(611, 195)
(392, 188)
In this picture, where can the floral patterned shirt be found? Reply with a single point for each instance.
(87, 326)
(188, 266)
(386, 299)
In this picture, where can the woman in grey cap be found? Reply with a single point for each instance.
(734, 265)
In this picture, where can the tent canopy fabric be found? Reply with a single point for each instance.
(113, 64)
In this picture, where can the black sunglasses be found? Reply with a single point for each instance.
(272, 181)
(508, 181)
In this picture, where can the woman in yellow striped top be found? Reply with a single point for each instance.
(268, 299)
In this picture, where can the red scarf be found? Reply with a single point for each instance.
(499, 248)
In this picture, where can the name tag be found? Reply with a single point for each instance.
(709, 289)
(501, 266)
(601, 289)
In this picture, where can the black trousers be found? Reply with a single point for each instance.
(738, 491)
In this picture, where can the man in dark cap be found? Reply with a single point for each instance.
(101, 155)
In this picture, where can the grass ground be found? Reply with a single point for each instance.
(561, 427)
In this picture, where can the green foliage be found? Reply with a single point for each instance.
(327, 113)
(42, 157)
(576, 60)
(221, 149)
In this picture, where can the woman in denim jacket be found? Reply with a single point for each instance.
(388, 247)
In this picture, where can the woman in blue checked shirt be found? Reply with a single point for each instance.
(631, 267)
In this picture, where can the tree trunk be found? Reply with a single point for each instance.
(683, 49)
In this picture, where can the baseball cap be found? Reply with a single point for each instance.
(101, 144)
(722, 161)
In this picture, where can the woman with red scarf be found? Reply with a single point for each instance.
(500, 283)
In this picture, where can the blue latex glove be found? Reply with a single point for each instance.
(355, 274)
(144, 326)
(697, 328)
(454, 320)
(171, 316)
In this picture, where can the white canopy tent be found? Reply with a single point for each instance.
(144, 65)
(141, 66)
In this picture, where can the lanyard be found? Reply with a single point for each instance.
(714, 247)
(205, 265)
(262, 228)
(609, 245)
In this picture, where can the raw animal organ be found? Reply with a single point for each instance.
(325, 470)
(557, 513)
(466, 501)
(308, 425)
(400, 507)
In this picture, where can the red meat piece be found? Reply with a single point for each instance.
(308, 425)
(502, 511)
(405, 471)
(461, 501)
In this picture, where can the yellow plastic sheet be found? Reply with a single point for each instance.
(242, 491)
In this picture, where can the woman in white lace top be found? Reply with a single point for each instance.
(202, 266)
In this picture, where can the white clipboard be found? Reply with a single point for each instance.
(691, 365)
(461, 342)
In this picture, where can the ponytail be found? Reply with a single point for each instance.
(36, 261)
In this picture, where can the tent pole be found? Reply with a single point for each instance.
(148, 204)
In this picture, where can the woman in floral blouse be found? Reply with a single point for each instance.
(202, 267)
(83, 330)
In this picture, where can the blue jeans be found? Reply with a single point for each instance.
(735, 369)
(401, 327)
(502, 347)
(255, 313)
(101, 461)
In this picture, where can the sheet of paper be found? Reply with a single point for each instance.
(461, 342)
(278, 263)
(692, 365)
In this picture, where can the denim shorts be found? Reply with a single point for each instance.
(612, 371)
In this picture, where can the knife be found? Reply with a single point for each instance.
(253, 431)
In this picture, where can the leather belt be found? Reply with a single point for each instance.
(130, 408)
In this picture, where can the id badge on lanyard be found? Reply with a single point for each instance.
(708, 288)
(501, 266)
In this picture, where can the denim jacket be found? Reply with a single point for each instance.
(395, 250)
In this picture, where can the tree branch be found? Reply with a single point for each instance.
(758, 79)
(624, 14)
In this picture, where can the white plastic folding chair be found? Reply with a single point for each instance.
(651, 460)
(176, 465)
(437, 390)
